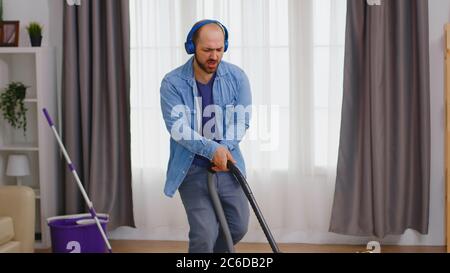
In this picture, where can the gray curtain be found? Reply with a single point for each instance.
(96, 107)
(383, 173)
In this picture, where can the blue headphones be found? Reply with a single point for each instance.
(190, 46)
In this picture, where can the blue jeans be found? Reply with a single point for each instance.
(205, 234)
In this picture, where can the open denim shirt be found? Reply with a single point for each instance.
(179, 105)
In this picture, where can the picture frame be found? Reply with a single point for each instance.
(9, 33)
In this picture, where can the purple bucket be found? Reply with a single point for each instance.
(77, 233)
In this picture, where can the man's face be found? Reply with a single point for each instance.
(209, 48)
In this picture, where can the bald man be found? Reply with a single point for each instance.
(206, 106)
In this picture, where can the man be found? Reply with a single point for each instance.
(205, 104)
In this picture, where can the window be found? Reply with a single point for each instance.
(292, 52)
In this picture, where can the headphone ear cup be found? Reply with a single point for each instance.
(226, 46)
(190, 47)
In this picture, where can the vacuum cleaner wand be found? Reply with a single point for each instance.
(77, 179)
(251, 198)
(212, 189)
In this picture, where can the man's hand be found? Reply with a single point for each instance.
(220, 158)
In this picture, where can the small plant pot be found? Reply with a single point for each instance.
(36, 41)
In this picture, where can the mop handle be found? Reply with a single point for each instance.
(77, 178)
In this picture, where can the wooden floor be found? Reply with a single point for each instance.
(127, 246)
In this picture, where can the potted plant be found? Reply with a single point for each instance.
(35, 32)
(12, 105)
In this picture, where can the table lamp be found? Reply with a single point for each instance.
(18, 166)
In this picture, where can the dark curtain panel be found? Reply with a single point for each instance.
(383, 173)
(96, 107)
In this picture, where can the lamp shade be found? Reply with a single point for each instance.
(18, 165)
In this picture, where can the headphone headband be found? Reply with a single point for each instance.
(190, 45)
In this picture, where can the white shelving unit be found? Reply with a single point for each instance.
(36, 68)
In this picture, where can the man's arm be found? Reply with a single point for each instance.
(177, 121)
(242, 114)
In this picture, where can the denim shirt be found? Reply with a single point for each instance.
(179, 106)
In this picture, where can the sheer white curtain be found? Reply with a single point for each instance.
(292, 52)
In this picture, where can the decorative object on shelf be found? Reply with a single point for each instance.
(12, 105)
(9, 33)
(18, 166)
(35, 32)
(9, 30)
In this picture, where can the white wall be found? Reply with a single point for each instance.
(439, 13)
(46, 12)
(49, 14)
(26, 11)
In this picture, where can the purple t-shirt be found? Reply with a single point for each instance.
(206, 93)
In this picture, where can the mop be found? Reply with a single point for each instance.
(77, 179)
